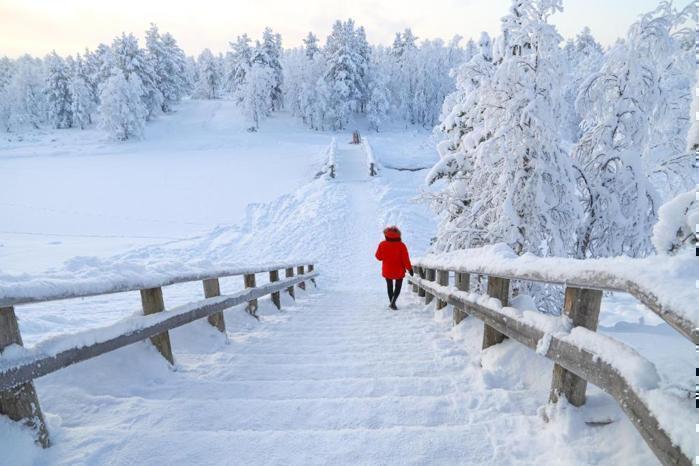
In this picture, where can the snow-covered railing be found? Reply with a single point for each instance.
(665, 284)
(581, 355)
(330, 164)
(19, 366)
(36, 290)
(370, 160)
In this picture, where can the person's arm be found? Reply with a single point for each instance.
(406, 260)
(379, 252)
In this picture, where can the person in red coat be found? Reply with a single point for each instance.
(395, 261)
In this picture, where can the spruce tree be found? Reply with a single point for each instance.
(238, 61)
(310, 44)
(57, 90)
(83, 102)
(167, 61)
(133, 61)
(209, 83)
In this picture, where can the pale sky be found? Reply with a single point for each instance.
(68, 26)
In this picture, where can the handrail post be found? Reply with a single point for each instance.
(497, 288)
(212, 288)
(443, 280)
(582, 306)
(289, 273)
(276, 298)
(152, 302)
(20, 403)
(429, 275)
(462, 280)
(249, 282)
(299, 271)
(421, 273)
(313, 280)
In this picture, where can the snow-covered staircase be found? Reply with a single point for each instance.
(334, 378)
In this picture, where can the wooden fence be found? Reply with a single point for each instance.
(574, 366)
(18, 398)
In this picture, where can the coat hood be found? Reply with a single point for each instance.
(392, 233)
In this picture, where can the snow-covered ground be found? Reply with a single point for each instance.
(68, 193)
(335, 378)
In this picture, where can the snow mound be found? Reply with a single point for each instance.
(677, 221)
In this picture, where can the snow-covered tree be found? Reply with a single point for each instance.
(256, 94)
(517, 183)
(168, 63)
(25, 91)
(83, 102)
(6, 72)
(622, 108)
(208, 85)
(404, 43)
(416, 78)
(462, 123)
(57, 90)
(665, 156)
(133, 61)
(98, 68)
(310, 44)
(238, 62)
(122, 111)
(693, 135)
(470, 50)
(583, 57)
(303, 72)
(378, 105)
(191, 73)
(342, 75)
(268, 54)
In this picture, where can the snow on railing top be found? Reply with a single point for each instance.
(370, 159)
(665, 284)
(45, 356)
(65, 284)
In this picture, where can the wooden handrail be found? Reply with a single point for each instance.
(584, 363)
(18, 368)
(591, 279)
(35, 364)
(18, 294)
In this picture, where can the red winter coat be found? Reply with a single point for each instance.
(395, 259)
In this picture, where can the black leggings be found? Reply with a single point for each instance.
(393, 293)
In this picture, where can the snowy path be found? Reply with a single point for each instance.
(336, 378)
